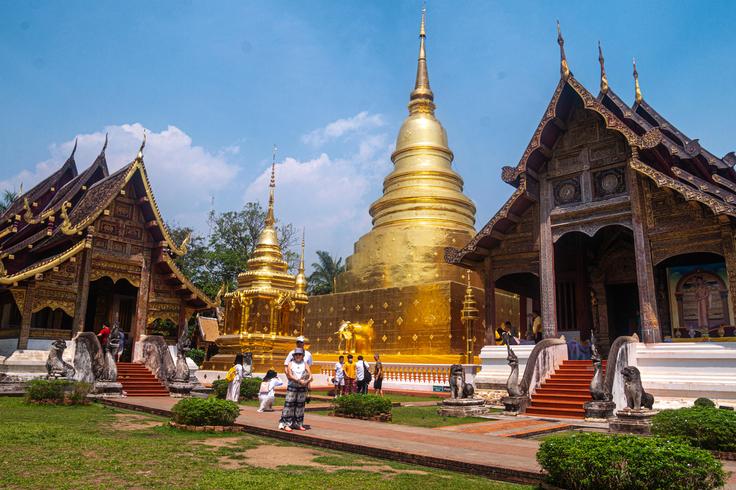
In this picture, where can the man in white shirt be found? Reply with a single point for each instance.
(360, 369)
(299, 345)
(339, 379)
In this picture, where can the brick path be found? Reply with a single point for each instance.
(525, 427)
(500, 458)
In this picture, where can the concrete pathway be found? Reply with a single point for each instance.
(500, 458)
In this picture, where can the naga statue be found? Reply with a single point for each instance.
(110, 369)
(56, 367)
(181, 369)
(512, 384)
(597, 384)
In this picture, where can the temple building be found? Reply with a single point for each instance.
(398, 295)
(82, 249)
(265, 314)
(618, 223)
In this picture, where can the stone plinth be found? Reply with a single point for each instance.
(462, 407)
(630, 421)
(599, 411)
(106, 389)
(181, 389)
(513, 405)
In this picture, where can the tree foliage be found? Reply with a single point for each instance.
(7, 199)
(220, 256)
(325, 272)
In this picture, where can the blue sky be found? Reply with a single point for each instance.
(217, 83)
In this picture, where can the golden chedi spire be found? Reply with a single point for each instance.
(564, 69)
(637, 89)
(266, 269)
(423, 208)
(604, 78)
(301, 278)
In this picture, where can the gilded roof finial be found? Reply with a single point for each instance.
(143, 145)
(564, 69)
(270, 220)
(604, 78)
(104, 147)
(301, 278)
(74, 150)
(422, 98)
(637, 89)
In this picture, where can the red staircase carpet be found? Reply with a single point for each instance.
(565, 391)
(137, 380)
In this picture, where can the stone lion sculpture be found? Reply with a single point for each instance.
(636, 397)
(458, 387)
(56, 367)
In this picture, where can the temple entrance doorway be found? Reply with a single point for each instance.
(517, 298)
(111, 302)
(596, 289)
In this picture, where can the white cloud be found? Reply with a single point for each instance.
(336, 129)
(328, 195)
(183, 175)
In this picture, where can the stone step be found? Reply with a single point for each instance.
(558, 403)
(556, 412)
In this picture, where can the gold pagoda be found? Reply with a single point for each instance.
(397, 285)
(266, 312)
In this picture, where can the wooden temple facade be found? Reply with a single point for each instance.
(80, 249)
(619, 223)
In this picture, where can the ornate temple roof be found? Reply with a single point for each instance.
(42, 237)
(665, 155)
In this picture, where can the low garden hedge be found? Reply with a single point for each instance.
(57, 392)
(361, 405)
(704, 403)
(706, 428)
(205, 411)
(591, 461)
(249, 388)
(196, 355)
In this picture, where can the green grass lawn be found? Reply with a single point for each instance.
(49, 447)
(394, 397)
(428, 417)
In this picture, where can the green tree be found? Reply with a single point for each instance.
(325, 271)
(7, 199)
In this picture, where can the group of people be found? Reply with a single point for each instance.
(507, 334)
(104, 337)
(355, 377)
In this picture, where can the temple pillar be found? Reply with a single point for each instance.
(644, 268)
(25, 324)
(80, 307)
(729, 257)
(141, 306)
(182, 318)
(489, 292)
(547, 282)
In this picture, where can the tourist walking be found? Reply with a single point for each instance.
(339, 379)
(362, 375)
(299, 376)
(234, 376)
(266, 394)
(378, 376)
(103, 335)
(349, 368)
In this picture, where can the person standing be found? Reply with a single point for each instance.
(349, 368)
(299, 376)
(378, 376)
(266, 394)
(103, 335)
(362, 375)
(236, 375)
(339, 379)
(121, 344)
(537, 327)
(299, 345)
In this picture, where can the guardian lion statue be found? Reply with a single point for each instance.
(458, 387)
(636, 397)
(56, 367)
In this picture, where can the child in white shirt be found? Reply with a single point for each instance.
(266, 392)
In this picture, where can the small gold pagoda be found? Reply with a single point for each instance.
(266, 312)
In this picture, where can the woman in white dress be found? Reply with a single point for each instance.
(233, 388)
(266, 393)
(299, 374)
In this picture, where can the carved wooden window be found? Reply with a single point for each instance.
(609, 183)
(566, 311)
(567, 191)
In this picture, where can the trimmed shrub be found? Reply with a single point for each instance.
(196, 355)
(706, 428)
(249, 388)
(205, 411)
(361, 405)
(591, 461)
(704, 403)
(57, 392)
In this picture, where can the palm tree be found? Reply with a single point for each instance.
(322, 279)
(7, 199)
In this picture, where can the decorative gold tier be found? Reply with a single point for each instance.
(269, 351)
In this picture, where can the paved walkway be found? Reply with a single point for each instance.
(509, 428)
(500, 458)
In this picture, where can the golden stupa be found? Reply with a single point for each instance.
(397, 282)
(266, 312)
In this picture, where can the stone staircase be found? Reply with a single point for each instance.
(137, 380)
(565, 391)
